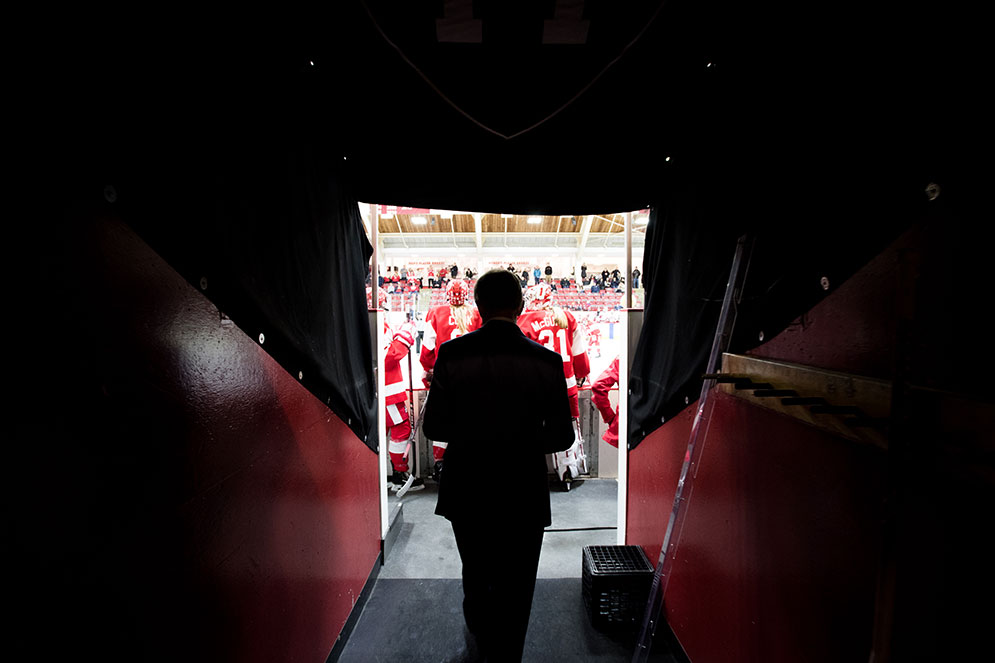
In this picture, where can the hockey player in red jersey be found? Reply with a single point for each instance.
(557, 329)
(594, 339)
(455, 318)
(396, 398)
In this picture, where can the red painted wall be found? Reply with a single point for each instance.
(181, 497)
(654, 467)
(779, 554)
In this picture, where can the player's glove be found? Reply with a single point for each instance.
(406, 334)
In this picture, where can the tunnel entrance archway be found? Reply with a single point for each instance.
(592, 259)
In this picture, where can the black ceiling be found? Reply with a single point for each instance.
(752, 93)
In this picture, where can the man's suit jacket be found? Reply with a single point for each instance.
(500, 401)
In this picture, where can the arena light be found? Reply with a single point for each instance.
(535, 220)
(419, 220)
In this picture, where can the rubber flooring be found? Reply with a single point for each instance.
(414, 612)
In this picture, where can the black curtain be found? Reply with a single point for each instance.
(271, 233)
(811, 217)
(685, 267)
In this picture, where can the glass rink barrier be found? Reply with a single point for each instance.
(603, 332)
(602, 458)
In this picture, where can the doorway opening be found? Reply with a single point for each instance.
(590, 268)
(592, 265)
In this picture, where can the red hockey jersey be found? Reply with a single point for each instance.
(599, 394)
(594, 336)
(395, 388)
(440, 326)
(569, 343)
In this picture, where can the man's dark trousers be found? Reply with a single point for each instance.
(498, 583)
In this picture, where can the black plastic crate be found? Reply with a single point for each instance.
(616, 583)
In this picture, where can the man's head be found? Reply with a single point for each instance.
(498, 295)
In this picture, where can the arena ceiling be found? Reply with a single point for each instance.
(447, 231)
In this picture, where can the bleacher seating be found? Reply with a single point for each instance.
(571, 298)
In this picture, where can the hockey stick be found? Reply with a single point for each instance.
(406, 486)
(411, 392)
(407, 452)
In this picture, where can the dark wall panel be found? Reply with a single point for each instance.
(178, 495)
(853, 329)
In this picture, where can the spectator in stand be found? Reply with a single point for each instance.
(511, 268)
(379, 278)
(549, 273)
(469, 273)
(404, 272)
(564, 283)
(599, 394)
(595, 286)
(604, 277)
(431, 278)
(453, 270)
(583, 272)
(412, 296)
(443, 274)
(635, 278)
(420, 326)
(615, 282)
(525, 278)
(537, 274)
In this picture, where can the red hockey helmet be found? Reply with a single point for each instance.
(538, 297)
(457, 292)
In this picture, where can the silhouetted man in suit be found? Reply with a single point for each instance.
(476, 405)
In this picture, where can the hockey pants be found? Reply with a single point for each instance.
(399, 431)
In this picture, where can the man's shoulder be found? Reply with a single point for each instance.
(484, 340)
